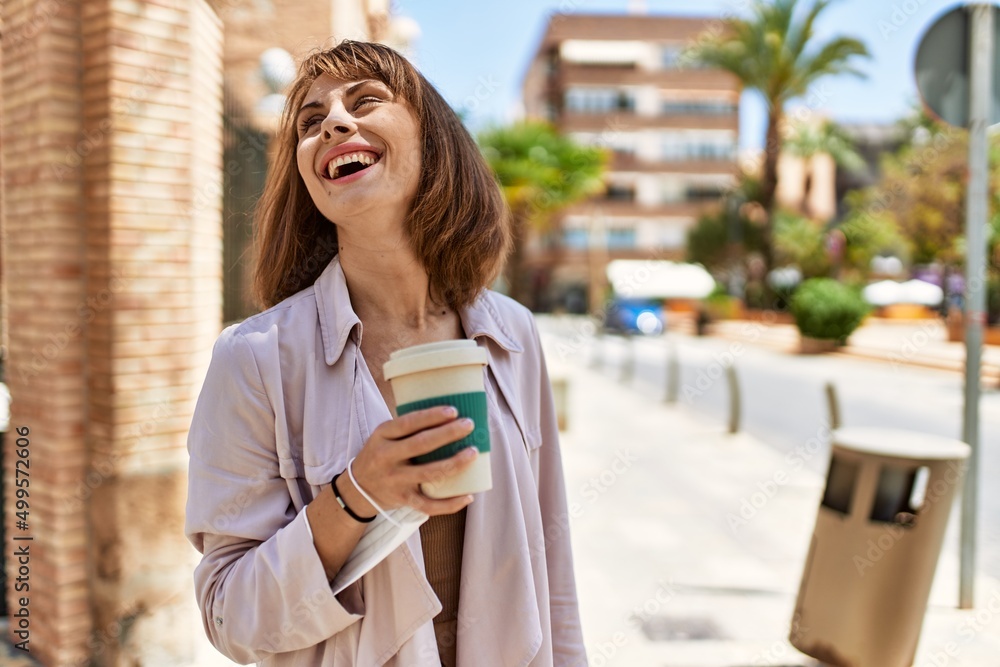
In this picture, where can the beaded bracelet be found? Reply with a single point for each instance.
(343, 504)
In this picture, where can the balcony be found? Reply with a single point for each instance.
(630, 209)
(570, 121)
(683, 79)
(621, 161)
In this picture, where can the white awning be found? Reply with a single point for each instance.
(658, 279)
(603, 51)
(887, 292)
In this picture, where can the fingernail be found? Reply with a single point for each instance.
(450, 411)
(468, 423)
(469, 499)
(471, 452)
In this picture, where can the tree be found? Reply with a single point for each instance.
(801, 242)
(776, 52)
(807, 140)
(922, 194)
(918, 204)
(541, 172)
(710, 240)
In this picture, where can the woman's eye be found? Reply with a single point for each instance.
(367, 99)
(309, 122)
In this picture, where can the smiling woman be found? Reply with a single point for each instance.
(380, 228)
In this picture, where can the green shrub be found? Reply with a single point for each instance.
(824, 308)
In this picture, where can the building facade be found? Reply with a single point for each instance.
(618, 81)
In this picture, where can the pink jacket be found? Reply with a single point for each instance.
(287, 400)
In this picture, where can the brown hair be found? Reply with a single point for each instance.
(458, 225)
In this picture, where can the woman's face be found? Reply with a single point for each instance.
(358, 150)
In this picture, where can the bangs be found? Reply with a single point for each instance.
(354, 61)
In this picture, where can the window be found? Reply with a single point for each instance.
(670, 56)
(703, 193)
(621, 238)
(698, 108)
(680, 148)
(577, 239)
(620, 193)
(599, 100)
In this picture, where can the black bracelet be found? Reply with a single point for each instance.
(351, 513)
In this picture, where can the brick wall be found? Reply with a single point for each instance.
(45, 288)
(112, 151)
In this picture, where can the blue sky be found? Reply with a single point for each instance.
(476, 53)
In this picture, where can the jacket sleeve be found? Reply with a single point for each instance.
(261, 587)
(567, 634)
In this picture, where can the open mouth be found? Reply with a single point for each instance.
(350, 163)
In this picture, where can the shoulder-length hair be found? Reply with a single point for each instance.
(458, 224)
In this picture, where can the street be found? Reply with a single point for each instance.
(784, 402)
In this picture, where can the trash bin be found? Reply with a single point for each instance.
(875, 546)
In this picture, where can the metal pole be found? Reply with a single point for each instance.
(833, 405)
(734, 399)
(981, 80)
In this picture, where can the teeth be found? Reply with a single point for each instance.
(363, 158)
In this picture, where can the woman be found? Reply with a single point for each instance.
(379, 228)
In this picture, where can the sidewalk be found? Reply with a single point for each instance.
(908, 342)
(666, 577)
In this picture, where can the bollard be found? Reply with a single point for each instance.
(673, 374)
(595, 359)
(560, 396)
(734, 399)
(833, 405)
(628, 360)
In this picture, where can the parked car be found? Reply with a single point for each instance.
(635, 316)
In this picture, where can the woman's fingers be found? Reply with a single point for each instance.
(438, 471)
(384, 465)
(434, 507)
(429, 439)
(413, 422)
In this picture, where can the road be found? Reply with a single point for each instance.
(784, 401)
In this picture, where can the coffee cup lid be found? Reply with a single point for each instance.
(429, 356)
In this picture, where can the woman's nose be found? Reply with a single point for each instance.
(337, 123)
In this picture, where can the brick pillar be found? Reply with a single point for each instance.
(44, 272)
(112, 184)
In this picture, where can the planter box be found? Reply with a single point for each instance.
(768, 316)
(906, 311)
(808, 345)
(956, 330)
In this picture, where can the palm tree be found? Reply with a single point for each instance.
(807, 140)
(540, 172)
(775, 52)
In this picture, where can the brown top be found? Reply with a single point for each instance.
(441, 539)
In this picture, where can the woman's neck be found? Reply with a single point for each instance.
(388, 284)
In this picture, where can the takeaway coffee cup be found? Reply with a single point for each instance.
(446, 373)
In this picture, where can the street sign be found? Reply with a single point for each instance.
(942, 68)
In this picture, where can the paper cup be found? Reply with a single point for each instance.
(446, 373)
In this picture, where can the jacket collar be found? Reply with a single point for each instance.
(337, 319)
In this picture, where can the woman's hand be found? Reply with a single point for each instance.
(383, 467)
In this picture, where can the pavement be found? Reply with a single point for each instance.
(666, 578)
